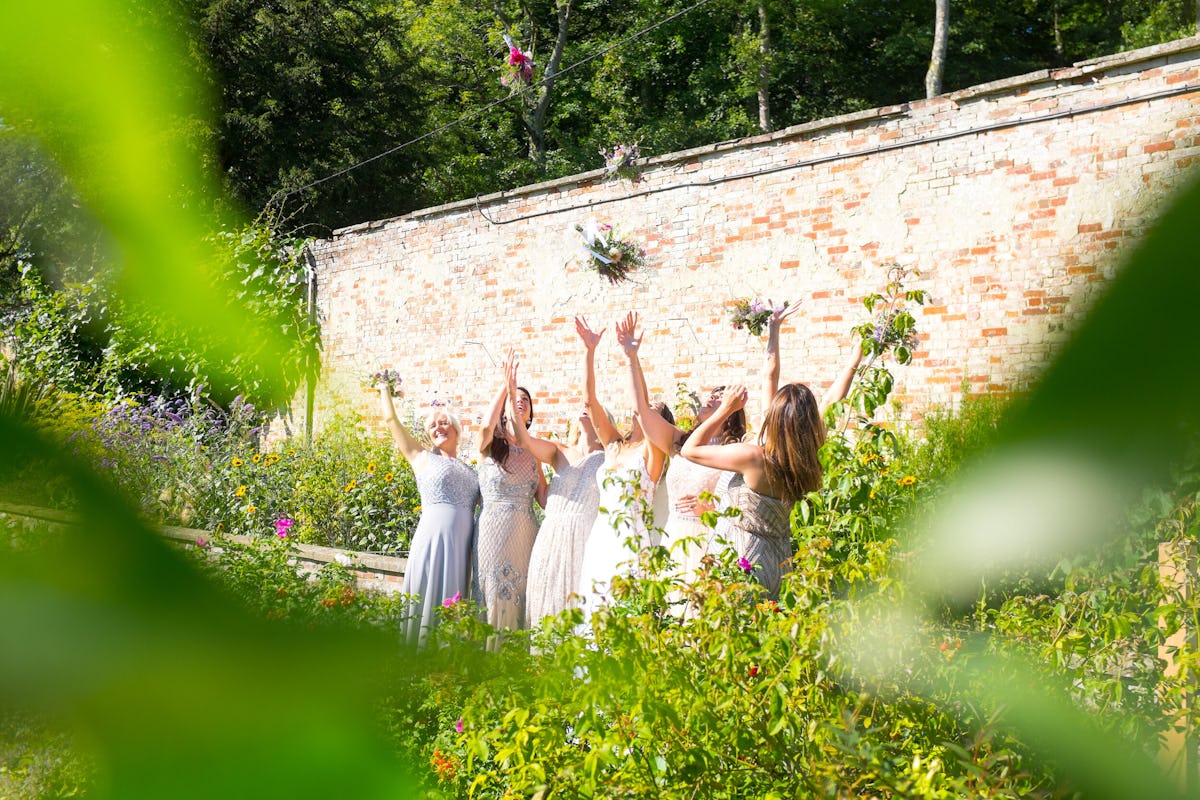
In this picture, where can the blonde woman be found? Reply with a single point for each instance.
(441, 545)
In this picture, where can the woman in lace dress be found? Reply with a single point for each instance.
(631, 469)
(572, 501)
(441, 545)
(510, 481)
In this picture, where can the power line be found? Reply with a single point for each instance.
(281, 195)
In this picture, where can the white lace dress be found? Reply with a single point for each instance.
(506, 531)
(683, 478)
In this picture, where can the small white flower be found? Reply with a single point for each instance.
(343, 559)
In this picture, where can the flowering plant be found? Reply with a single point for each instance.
(618, 161)
(519, 70)
(753, 315)
(894, 329)
(611, 257)
(388, 377)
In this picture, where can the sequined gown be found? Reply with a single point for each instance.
(625, 494)
(440, 551)
(762, 534)
(554, 568)
(683, 478)
(506, 532)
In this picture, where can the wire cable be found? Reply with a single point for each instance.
(282, 195)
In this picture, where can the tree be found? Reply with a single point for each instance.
(941, 30)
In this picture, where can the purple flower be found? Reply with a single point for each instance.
(745, 564)
(282, 526)
(201, 542)
(458, 726)
(450, 601)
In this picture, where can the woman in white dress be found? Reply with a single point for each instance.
(631, 469)
(441, 545)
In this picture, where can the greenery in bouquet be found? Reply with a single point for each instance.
(753, 315)
(389, 378)
(618, 161)
(611, 257)
(893, 328)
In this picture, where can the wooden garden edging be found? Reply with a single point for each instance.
(371, 570)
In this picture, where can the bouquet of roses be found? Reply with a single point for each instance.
(753, 315)
(611, 257)
(388, 377)
(619, 160)
(519, 70)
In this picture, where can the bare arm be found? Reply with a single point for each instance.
(494, 411)
(604, 429)
(659, 432)
(544, 451)
(841, 386)
(406, 443)
(737, 457)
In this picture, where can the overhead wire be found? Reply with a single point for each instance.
(281, 195)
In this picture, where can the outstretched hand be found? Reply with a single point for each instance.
(781, 312)
(627, 335)
(510, 370)
(589, 337)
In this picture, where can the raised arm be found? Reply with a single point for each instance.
(841, 386)
(494, 411)
(406, 443)
(544, 451)
(660, 433)
(738, 456)
(604, 429)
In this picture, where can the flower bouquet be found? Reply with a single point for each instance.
(753, 315)
(519, 70)
(619, 160)
(606, 254)
(389, 378)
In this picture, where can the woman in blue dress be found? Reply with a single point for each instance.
(441, 545)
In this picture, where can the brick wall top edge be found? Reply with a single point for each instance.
(1006, 85)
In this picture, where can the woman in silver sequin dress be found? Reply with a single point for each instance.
(440, 549)
(510, 481)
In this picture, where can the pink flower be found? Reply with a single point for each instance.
(450, 601)
(458, 726)
(282, 526)
(201, 542)
(745, 565)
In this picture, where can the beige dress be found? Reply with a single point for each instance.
(683, 478)
(504, 539)
(762, 533)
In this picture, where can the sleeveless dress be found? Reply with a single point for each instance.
(441, 544)
(762, 534)
(683, 478)
(626, 495)
(554, 568)
(506, 531)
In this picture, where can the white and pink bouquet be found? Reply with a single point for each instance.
(519, 70)
(753, 315)
(608, 255)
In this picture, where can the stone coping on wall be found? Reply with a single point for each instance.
(1079, 71)
(372, 570)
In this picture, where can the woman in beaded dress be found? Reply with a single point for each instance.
(632, 468)
(510, 481)
(572, 502)
(440, 551)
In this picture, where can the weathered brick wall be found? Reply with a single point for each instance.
(1014, 200)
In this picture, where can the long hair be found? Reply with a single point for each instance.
(500, 446)
(792, 433)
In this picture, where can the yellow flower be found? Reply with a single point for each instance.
(237, 462)
(371, 467)
(257, 458)
(291, 452)
(417, 509)
(273, 458)
(885, 471)
(251, 509)
(388, 477)
(350, 486)
(240, 491)
(907, 480)
(872, 495)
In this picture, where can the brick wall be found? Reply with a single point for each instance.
(1015, 200)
